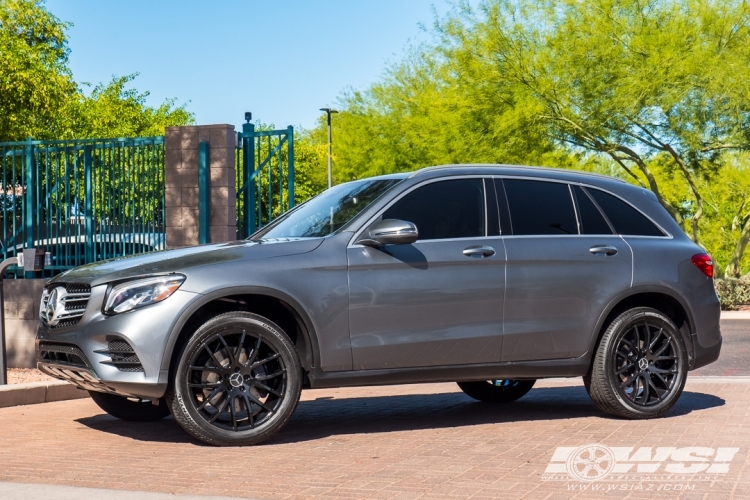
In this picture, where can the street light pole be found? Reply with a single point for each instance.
(329, 112)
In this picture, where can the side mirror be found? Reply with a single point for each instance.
(391, 232)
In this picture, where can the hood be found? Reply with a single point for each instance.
(184, 259)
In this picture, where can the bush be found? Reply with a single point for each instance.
(733, 292)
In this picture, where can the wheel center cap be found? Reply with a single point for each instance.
(643, 363)
(236, 379)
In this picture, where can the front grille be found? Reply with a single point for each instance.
(74, 301)
(63, 354)
(122, 356)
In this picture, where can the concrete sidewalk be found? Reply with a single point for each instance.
(23, 491)
(33, 393)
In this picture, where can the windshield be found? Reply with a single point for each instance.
(328, 211)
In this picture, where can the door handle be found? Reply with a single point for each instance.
(479, 251)
(603, 250)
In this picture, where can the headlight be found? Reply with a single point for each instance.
(138, 293)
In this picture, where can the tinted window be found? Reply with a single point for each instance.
(592, 221)
(445, 209)
(538, 207)
(624, 218)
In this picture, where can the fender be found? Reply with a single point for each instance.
(664, 290)
(185, 314)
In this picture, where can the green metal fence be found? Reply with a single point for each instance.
(265, 176)
(82, 200)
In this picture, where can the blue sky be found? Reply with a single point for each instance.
(280, 60)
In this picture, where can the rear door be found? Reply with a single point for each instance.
(564, 265)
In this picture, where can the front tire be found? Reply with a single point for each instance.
(640, 367)
(497, 391)
(130, 409)
(238, 381)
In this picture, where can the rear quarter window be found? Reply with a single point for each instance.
(625, 219)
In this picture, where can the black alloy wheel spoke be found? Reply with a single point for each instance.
(249, 409)
(218, 411)
(232, 411)
(271, 375)
(624, 369)
(239, 345)
(656, 337)
(260, 403)
(208, 369)
(251, 358)
(263, 361)
(217, 363)
(646, 364)
(208, 398)
(268, 389)
(222, 391)
(230, 354)
(206, 385)
(646, 389)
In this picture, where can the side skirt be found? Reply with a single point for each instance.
(574, 367)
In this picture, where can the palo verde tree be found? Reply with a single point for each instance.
(631, 80)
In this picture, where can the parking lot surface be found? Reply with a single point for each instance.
(420, 441)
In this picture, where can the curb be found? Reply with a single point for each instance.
(33, 393)
(735, 314)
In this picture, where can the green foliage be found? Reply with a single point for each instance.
(40, 99)
(35, 81)
(733, 292)
(113, 110)
(655, 92)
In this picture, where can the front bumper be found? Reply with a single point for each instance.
(81, 354)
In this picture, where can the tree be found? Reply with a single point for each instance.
(40, 99)
(113, 110)
(35, 80)
(631, 80)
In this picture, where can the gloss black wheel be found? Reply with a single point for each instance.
(238, 381)
(497, 391)
(640, 367)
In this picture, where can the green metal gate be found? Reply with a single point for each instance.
(82, 200)
(264, 163)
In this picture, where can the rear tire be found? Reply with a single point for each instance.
(640, 367)
(497, 391)
(130, 409)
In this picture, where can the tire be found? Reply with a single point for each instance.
(497, 391)
(237, 382)
(640, 367)
(130, 409)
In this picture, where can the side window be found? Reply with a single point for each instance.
(444, 209)
(592, 221)
(624, 218)
(538, 207)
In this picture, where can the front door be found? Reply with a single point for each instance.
(438, 301)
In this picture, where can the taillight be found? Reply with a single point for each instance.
(703, 262)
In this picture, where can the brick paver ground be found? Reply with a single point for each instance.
(422, 441)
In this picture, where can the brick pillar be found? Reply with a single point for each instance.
(182, 183)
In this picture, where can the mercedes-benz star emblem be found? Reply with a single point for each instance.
(643, 363)
(55, 306)
(236, 379)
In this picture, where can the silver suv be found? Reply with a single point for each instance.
(490, 276)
